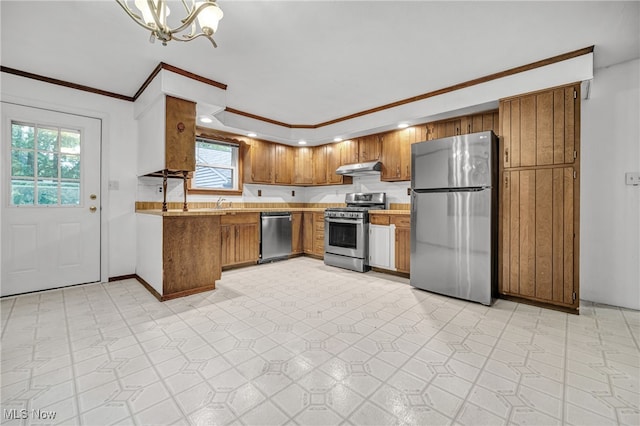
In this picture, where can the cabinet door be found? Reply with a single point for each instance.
(369, 148)
(405, 138)
(180, 134)
(349, 152)
(541, 128)
(302, 166)
(247, 242)
(380, 247)
(537, 242)
(307, 232)
(283, 164)
(403, 249)
(390, 157)
(319, 165)
(261, 161)
(333, 162)
(318, 234)
(296, 233)
(227, 245)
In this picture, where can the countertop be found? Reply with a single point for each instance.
(392, 212)
(225, 211)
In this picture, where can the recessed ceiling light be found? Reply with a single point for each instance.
(302, 142)
(337, 139)
(252, 135)
(206, 120)
(403, 126)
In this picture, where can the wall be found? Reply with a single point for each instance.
(396, 192)
(610, 210)
(118, 146)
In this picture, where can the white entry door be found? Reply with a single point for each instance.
(51, 199)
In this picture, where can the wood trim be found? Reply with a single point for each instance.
(390, 272)
(202, 132)
(122, 277)
(259, 118)
(148, 81)
(540, 304)
(463, 85)
(188, 292)
(148, 287)
(193, 76)
(65, 83)
(162, 65)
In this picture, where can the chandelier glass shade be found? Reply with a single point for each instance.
(202, 19)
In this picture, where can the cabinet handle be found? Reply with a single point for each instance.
(468, 128)
(506, 181)
(407, 170)
(506, 155)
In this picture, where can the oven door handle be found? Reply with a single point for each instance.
(333, 220)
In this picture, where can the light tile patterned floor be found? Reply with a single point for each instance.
(298, 342)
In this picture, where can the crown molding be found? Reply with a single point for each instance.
(222, 86)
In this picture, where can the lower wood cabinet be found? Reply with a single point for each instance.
(318, 234)
(296, 233)
(397, 252)
(177, 255)
(538, 247)
(240, 238)
(403, 242)
(307, 232)
(313, 233)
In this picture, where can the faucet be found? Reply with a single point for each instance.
(219, 203)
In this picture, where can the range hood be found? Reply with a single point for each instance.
(360, 169)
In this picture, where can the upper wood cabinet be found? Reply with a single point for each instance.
(258, 161)
(320, 165)
(167, 136)
(180, 134)
(396, 155)
(349, 151)
(334, 158)
(540, 129)
(369, 148)
(302, 166)
(283, 164)
(463, 125)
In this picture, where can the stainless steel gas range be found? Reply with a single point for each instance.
(346, 231)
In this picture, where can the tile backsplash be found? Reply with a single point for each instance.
(148, 190)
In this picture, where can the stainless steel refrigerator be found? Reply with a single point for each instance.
(453, 216)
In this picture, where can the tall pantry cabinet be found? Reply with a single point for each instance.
(539, 205)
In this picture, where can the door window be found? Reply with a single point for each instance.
(45, 165)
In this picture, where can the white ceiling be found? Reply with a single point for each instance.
(306, 62)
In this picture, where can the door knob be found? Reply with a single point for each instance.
(93, 209)
(93, 196)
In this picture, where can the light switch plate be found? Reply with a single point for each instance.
(632, 178)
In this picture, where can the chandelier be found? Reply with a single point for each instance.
(154, 18)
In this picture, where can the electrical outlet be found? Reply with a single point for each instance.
(159, 189)
(259, 192)
(408, 191)
(293, 193)
(632, 178)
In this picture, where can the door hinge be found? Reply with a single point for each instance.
(575, 94)
(575, 154)
(575, 174)
(574, 296)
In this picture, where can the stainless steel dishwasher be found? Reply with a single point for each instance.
(275, 236)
